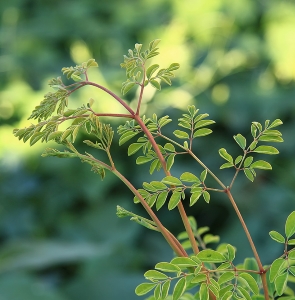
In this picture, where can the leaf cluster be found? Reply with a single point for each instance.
(136, 72)
(246, 162)
(156, 192)
(225, 281)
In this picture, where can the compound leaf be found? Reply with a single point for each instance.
(290, 225)
(144, 288)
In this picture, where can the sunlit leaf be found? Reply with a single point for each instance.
(155, 84)
(133, 148)
(225, 277)
(275, 268)
(171, 180)
(183, 262)
(250, 281)
(151, 70)
(161, 199)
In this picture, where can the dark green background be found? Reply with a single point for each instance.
(60, 237)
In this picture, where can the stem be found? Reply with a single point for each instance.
(167, 235)
(163, 163)
(245, 229)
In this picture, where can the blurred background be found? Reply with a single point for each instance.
(60, 238)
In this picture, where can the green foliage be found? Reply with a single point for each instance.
(211, 272)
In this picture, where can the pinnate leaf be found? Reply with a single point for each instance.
(183, 262)
(275, 268)
(151, 70)
(281, 283)
(171, 180)
(133, 148)
(153, 274)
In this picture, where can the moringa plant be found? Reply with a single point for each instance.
(196, 271)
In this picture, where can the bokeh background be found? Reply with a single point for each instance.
(60, 238)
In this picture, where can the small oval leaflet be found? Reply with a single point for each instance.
(144, 288)
(277, 237)
(189, 177)
(290, 225)
(171, 180)
(167, 267)
(153, 274)
(266, 150)
(261, 164)
(179, 288)
(241, 140)
(211, 256)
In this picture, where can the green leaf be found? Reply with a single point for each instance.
(231, 252)
(169, 147)
(203, 123)
(183, 262)
(171, 180)
(238, 159)
(290, 225)
(271, 138)
(194, 198)
(150, 71)
(144, 288)
(261, 164)
(275, 268)
(241, 140)
(225, 277)
(291, 254)
(244, 293)
(91, 63)
(157, 292)
(203, 175)
(204, 292)
(174, 200)
(153, 274)
(133, 148)
(158, 185)
(250, 281)
(206, 196)
(281, 283)
(127, 136)
(226, 165)
(153, 44)
(181, 134)
(179, 289)
(165, 289)
(36, 137)
(291, 242)
(170, 161)
(161, 199)
(266, 150)
(253, 130)
(275, 123)
(249, 174)
(211, 256)
(155, 84)
(143, 159)
(248, 161)
(202, 132)
(223, 153)
(154, 165)
(167, 267)
(189, 177)
(277, 237)
(199, 278)
(173, 67)
(253, 145)
(127, 87)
